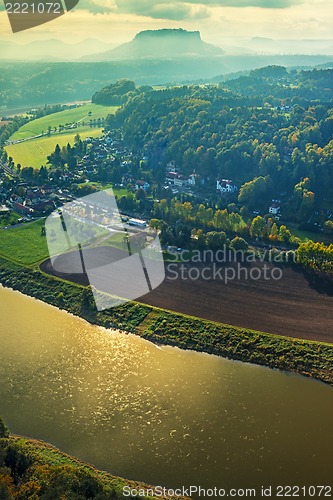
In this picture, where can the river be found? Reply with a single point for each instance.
(159, 415)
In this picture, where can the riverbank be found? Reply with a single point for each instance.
(35, 468)
(309, 358)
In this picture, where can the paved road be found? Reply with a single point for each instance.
(12, 226)
(46, 134)
(18, 141)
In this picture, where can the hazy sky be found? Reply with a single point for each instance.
(117, 21)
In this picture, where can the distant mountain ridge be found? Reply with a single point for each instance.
(291, 46)
(49, 50)
(160, 44)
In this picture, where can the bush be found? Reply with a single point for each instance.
(239, 244)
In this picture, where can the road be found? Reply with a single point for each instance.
(7, 170)
(47, 134)
(26, 139)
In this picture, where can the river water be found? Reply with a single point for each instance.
(159, 415)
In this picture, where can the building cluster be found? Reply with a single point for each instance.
(101, 149)
(110, 150)
(33, 201)
(177, 181)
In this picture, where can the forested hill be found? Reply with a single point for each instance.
(276, 81)
(33, 84)
(284, 135)
(118, 93)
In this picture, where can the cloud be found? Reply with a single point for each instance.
(179, 9)
(188, 9)
(175, 12)
(98, 6)
(163, 9)
(264, 4)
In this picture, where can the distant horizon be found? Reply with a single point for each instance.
(256, 46)
(220, 22)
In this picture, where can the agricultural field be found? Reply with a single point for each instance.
(24, 244)
(34, 153)
(79, 114)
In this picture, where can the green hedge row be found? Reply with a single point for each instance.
(313, 359)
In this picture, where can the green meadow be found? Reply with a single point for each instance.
(24, 244)
(119, 192)
(310, 235)
(68, 116)
(34, 153)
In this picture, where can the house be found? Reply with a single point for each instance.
(3, 209)
(34, 196)
(275, 207)
(170, 177)
(171, 166)
(176, 179)
(142, 184)
(14, 198)
(226, 186)
(180, 180)
(44, 207)
(192, 179)
(22, 209)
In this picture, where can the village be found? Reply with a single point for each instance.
(44, 191)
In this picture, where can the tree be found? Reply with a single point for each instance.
(258, 227)
(27, 173)
(43, 174)
(77, 140)
(4, 431)
(157, 224)
(182, 235)
(21, 191)
(221, 220)
(89, 487)
(216, 240)
(328, 226)
(273, 234)
(255, 193)
(55, 158)
(269, 161)
(17, 461)
(239, 244)
(284, 234)
(140, 194)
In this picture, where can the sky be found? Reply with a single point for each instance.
(219, 21)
